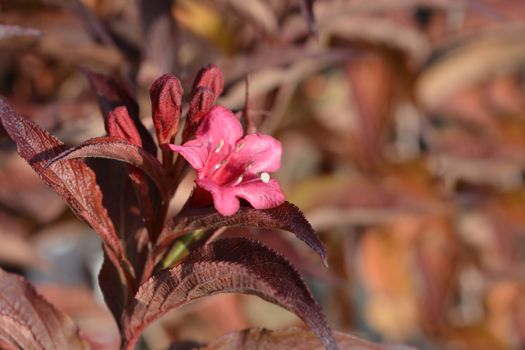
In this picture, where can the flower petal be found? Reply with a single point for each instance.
(224, 198)
(194, 152)
(261, 195)
(262, 152)
(220, 128)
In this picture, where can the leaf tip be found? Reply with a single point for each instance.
(324, 259)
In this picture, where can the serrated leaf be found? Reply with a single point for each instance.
(286, 217)
(111, 94)
(73, 180)
(27, 321)
(135, 201)
(225, 266)
(121, 150)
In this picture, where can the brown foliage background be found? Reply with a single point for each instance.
(403, 130)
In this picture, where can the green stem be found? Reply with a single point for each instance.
(181, 247)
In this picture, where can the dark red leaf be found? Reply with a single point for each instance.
(71, 179)
(112, 94)
(122, 201)
(133, 202)
(225, 266)
(286, 217)
(112, 286)
(273, 239)
(119, 124)
(166, 99)
(151, 203)
(137, 203)
(118, 149)
(27, 321)
(210, 77)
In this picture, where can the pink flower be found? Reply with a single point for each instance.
(229, 165)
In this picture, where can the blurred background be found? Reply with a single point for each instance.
(403, 130)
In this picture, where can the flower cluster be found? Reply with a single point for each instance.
(229, 165)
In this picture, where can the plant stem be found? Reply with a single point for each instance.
(180, 248)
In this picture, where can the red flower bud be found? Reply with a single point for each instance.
(201, 103)
(166, 98)
(119, 124)
(209, 77)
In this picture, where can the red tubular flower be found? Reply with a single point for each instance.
(229, 165)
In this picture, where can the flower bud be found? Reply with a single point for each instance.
(209, 77)
(201, 103)
(166, 98)
(118, 123)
